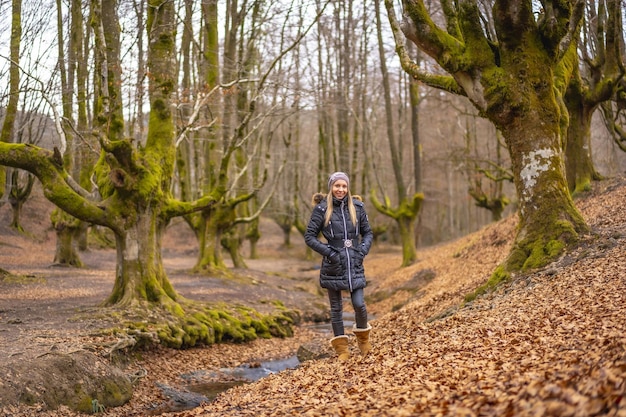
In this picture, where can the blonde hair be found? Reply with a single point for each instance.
(329, 208)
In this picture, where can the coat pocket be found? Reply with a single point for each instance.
(357, 258)
(332, 265)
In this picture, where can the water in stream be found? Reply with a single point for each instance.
(204, 386)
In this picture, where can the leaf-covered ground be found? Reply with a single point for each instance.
(550, 343)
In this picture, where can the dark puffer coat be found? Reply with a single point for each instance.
(346, 244)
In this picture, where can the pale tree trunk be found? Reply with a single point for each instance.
(325, 130)
(414, 97)
(138, 122)
(344, 29)
(18, 185)
(184, 157)
(84, 155)
(66, 226)
(10, 113)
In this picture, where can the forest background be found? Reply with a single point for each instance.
(220, 112)
(326, 86)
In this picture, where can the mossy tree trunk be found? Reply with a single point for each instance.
(579, 164)
(232, 240)
(218, 222)
(228, 167)
(586, 90)
(140, 276)
(405, 215)
(409, 207)
(210, 258)
(549, 220)
(65, 226)
(511, 83)
(84, 157)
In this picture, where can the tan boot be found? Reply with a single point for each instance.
(363, 339)
(340, 344)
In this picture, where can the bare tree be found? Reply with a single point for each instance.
(594, 79)
(509, 80)
(409, 205)
(8, 126)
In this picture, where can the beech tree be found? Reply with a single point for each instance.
(503, 59)
(409, 205)
(593, 70)
(10, 112)
(224, 154)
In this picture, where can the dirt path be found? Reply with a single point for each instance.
(40, 309)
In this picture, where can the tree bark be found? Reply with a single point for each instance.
(66, 226)
(598, 82)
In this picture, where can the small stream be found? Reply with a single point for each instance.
(202, 386)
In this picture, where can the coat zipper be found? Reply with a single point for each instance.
(345, 237)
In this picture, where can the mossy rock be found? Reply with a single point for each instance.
(79, 380)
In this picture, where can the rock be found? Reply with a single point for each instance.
(80, 380)
(181, 399)
(315, 349)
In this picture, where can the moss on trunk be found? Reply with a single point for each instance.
(579, 165)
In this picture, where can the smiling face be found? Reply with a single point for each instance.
(340, 189)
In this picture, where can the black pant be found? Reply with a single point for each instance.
(336, 310)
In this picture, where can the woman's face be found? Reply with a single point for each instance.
(340, 189)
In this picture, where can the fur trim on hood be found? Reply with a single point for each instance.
(319, 197)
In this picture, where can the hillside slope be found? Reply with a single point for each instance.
(550, 343)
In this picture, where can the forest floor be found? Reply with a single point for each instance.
(551, 342)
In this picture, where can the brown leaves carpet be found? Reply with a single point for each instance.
(550, 343)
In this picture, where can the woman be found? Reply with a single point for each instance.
(342, 221)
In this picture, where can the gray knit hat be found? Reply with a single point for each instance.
(338, 176)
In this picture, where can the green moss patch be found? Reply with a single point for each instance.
(191, 324)
(77, 380)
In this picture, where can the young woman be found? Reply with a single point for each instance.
(342, 221)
